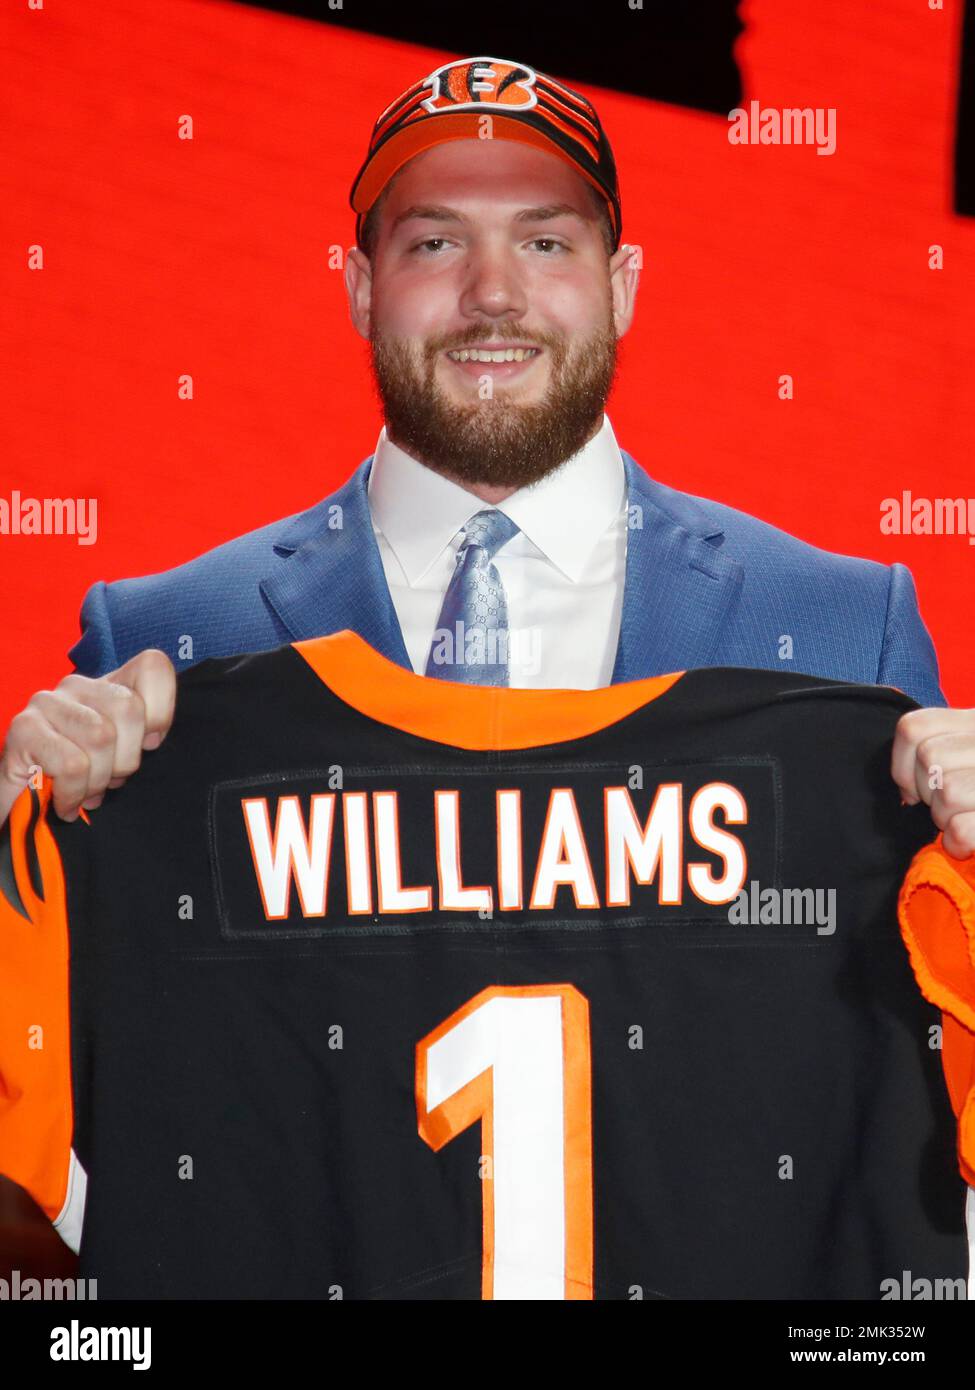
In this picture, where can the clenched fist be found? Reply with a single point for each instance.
(88, 735)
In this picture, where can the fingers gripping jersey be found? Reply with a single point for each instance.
(372, 986)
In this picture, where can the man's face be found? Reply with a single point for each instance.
(489, 244)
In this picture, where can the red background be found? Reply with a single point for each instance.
(211, 257)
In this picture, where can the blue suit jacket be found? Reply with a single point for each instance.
(706, 585)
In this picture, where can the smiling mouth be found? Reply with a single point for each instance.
(493, 355)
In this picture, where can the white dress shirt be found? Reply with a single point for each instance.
(563, 572)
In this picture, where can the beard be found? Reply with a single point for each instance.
(495, 441)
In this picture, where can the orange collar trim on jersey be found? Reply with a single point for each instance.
(468, 716)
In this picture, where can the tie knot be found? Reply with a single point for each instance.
(489, 530)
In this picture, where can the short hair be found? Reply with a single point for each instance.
(370, 223)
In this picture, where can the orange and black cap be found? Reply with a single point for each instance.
(523, 104)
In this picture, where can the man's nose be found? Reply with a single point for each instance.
(492, 283)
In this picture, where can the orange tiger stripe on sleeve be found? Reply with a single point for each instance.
(36, 1119)
(936, 911)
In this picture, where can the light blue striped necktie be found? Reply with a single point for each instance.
(471, 639)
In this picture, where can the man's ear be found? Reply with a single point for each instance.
(358, 286)
(624, 277)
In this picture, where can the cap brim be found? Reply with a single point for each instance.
(407, 143)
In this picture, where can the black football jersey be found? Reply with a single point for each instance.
(371, 986)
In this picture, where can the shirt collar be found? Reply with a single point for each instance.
(419, 511)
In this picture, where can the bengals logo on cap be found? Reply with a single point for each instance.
(448, 105)
(481, 82)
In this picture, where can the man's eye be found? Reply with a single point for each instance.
(423, 246)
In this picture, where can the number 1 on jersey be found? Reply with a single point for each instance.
(517, 1059)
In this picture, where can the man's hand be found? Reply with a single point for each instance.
(87, 735)
(933, 760)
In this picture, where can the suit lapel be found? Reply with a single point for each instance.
(679, 587)
(334, 578)
(678, 593)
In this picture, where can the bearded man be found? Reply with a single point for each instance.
(497, 534)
